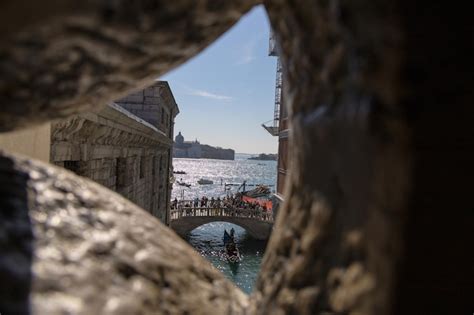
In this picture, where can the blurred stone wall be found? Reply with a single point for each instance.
(33, 142)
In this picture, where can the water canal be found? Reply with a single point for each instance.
(207, 239)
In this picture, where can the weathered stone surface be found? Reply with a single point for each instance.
(75, 56)
(346, 141)
(378, 218)
(119, 151)
(158, 110)
(97, 253)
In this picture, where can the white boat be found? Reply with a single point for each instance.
(203, 181)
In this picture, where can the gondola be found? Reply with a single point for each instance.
(232, 254)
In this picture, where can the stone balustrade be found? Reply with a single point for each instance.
(217, 212)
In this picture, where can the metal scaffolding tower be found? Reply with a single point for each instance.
(273, 126)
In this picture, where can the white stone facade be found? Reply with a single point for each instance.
(122, 152)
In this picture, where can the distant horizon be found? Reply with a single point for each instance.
(254, 153)
(212, 145)
(241, 153)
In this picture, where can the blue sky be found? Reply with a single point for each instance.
(225, 93)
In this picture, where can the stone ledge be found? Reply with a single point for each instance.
(111, 126)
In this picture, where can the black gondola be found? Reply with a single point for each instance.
(231, 251)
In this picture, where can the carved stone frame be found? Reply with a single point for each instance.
(368, 87)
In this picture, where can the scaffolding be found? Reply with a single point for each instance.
(278, 86)
(272, 126)
(272, 47)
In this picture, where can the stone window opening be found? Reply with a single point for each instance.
(142, 167)
(121, 172)
(170, 123)
(161, 172)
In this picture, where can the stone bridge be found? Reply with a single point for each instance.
(257, 223)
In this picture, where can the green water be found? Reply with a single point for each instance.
(207, 240)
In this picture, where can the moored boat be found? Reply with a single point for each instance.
(181, 183)
(203, 181)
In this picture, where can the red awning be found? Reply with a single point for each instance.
(264, 203)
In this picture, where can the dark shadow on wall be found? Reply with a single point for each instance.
(16, 240)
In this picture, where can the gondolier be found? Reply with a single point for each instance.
(231, 250)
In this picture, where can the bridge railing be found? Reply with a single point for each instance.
(256, 214)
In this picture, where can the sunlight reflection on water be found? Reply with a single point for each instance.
(207, 239)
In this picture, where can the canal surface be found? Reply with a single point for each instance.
(207, 240)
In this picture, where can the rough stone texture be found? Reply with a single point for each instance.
(338, 242)
(373, 92)
(379, 215)
(97, 253)
(75, 56)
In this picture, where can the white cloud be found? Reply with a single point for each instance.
(248, 53)
(210, 95)
(248, 50)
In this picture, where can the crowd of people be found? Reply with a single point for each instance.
(233, 204)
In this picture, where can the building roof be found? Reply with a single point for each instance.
(167, 88)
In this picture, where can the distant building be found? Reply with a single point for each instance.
(186, 149)
(196, 150)
(278, 127)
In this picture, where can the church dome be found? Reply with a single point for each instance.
(179, 138)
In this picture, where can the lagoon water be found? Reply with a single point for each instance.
(207, 239)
